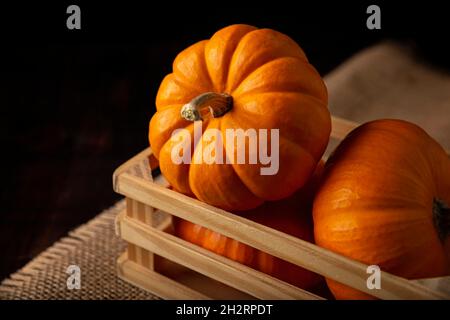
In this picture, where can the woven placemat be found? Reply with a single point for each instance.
(384, 81)
(94, 248)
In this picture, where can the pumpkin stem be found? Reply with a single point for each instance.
(216, 103)
(441, 218)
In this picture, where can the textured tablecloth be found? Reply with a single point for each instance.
(94, 248)
(384, 81)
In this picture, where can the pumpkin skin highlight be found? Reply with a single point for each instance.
(273, 86)
(291, 215)
(375, 203)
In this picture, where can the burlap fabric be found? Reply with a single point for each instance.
(385, 81)
(93, 247)
(390, 81)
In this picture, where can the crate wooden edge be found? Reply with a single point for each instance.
(353, 271)
(153, 281)
(286, 247)
(140, 271)
(214, 266)
(172, 281)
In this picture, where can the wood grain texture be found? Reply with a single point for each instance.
(291, 249)
(152, 281)
(341, 127)
(212, 265)
(141, 212)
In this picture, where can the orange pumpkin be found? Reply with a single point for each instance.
(291, 215)
(247, 78)
(384, 201)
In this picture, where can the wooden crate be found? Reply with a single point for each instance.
(173, 268)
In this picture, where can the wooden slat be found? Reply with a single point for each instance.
(124, 167)
(131, 249)
(299, 252)
(341, 127)
(441, 284)
(197, 281)
(152, 281)
(214, 266)
(139, 211)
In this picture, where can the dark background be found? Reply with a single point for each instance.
(76, 104)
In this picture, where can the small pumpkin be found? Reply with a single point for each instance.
(293, 216)
(247, 78)
(384, 200)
